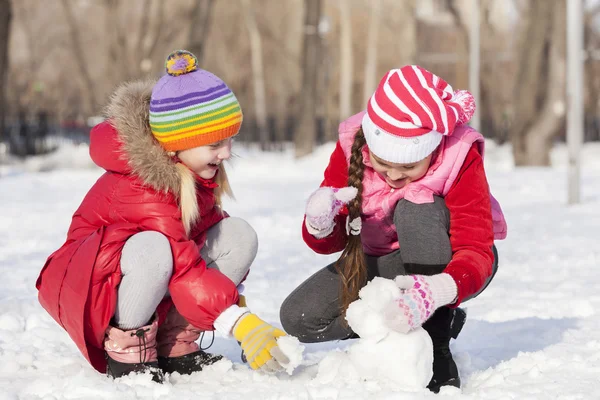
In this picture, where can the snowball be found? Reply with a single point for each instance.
(291, 347)
(366, 315)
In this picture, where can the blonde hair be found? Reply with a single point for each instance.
(188, 203)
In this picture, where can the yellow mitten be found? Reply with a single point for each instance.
(259, 342)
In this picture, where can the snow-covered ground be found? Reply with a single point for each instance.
(533, 334)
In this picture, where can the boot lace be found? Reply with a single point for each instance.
(141, 335)
(212, 340)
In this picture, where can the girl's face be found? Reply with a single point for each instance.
(399, 175)
(205, 160)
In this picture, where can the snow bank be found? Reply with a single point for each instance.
(533, 333)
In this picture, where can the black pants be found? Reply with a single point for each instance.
(312, 312)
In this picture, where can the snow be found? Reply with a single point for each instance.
(291, 347)
(533, 334)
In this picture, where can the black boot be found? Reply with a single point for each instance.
(117, 369)
(188, 363)
(445, 323)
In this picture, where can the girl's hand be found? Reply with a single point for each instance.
(322, 207)
(259, 342)
(421, 296)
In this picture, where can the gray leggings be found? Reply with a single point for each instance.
(312, 312)
(147, 265)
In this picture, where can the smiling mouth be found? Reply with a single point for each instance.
(214, 165)
(397, 183)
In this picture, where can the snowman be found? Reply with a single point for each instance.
(382, 352)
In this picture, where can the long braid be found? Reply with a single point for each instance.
(351, 265)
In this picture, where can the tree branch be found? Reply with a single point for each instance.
(144, 21)
(79, 56)
(159, 28)
(200, 25)
(460, 24)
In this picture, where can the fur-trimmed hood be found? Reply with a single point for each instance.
(124, 142)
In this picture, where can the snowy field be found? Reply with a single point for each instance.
(533, 334)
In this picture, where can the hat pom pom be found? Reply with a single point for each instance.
(466, 101)
(181, 62)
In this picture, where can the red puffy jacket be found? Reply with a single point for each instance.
(138, 192)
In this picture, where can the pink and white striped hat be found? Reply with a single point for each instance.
(409, 113)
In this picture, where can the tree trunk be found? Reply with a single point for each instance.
(5, 20)
(461, 72)
(80, 58)
(539, 93)
(305, 133)
(258, 72)
(199, 27)
(493, 78)
(119, 67)
(592, 75)
(324, 133)
(546, 125)
(371, 61)
(346, 60)
(151, 43)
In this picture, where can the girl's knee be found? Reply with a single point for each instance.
(149, 251)
(243, 231)
(231, 247)
(290, 318)
(244, 240)
(423, 232)
(295, 320)
(407, 212)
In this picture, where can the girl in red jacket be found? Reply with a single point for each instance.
(405, 197)
(151, 260)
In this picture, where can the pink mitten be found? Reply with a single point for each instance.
(421, 296)
(322, 207)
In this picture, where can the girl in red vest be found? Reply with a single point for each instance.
(405, 196)
(151, 260)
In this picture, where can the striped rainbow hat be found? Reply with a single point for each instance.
(191, 107)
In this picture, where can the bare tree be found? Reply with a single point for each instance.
(151, 40)
(199, 27)
(130, 57)
(258, 73)
(281, 30)
(80, 57)
(540, 84)
(493, 73)
(119, 64)
(346, 60)
(371, 59)
(305, 133)
(5, 20)
(462, 50)
(592, 74)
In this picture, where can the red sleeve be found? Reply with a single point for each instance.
(200, 294)
(336, 175)
(471, 232)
